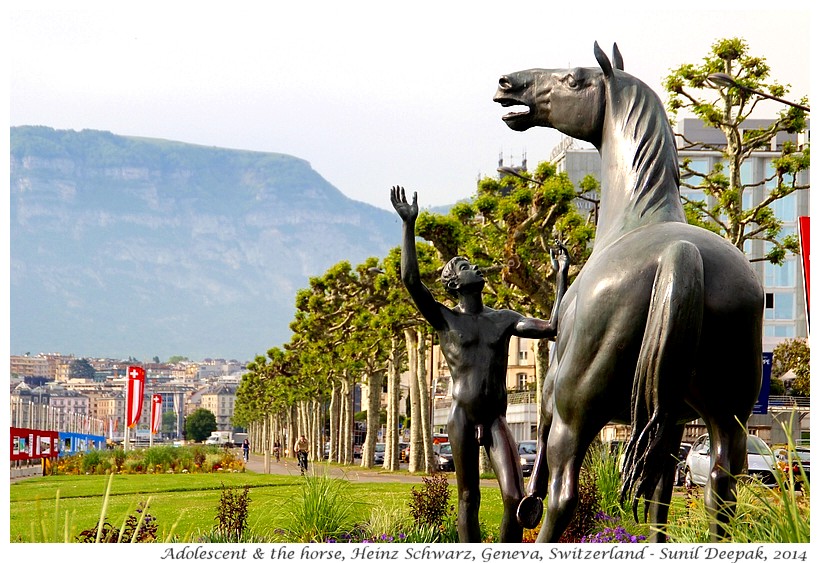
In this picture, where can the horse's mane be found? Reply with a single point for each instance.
(639, 114)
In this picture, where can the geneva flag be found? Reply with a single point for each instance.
(156, 412)
(133, 394)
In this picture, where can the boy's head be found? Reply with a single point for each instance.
(451, 274)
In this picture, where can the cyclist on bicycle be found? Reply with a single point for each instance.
(301, 449)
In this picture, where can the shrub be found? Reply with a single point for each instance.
(137, 528)
(583, 521)
(431, 505)
(118, 458)
(93, 461)
(232, 513)
(160, 458)
(199, 456)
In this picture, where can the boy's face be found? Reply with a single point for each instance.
(468, 276)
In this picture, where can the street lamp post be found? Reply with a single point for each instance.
(721, 79)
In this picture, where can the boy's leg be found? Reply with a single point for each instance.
(465, 458)
(503, 451)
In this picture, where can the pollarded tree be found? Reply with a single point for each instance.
(728, 209)
(334, 338)
(507, 230)
(400, 317)
(265, 397)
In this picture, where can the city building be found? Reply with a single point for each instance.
(220, 399)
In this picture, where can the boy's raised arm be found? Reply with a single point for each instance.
(537, 328)
(424, 300)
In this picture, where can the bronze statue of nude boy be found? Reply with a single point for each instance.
(475, 339)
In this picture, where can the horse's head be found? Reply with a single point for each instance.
(572, 101)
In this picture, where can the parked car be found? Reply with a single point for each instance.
(526, 454)
(378, 454)
(761, 463)
(326, 453)
(680, 469)
(443, 455)
(796, 461)
(404, 451)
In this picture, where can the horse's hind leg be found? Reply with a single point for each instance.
(662, 495)
(728, 443)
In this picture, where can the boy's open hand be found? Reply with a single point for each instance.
(407, 211)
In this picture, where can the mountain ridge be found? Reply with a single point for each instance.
(133, 246)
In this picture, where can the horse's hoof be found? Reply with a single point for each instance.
(529, 511)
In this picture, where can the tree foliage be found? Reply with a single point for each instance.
(199, 425)
(508, 229)
(81, 369)
(169, 423)
(793, 355)
(728, 210)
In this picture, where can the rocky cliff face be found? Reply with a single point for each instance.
(127, 246)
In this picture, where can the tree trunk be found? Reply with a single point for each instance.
(425, 402)
(317, 427)
(542, 362)
(391, 453)
(414, 457)
(346, 416)
(374, 385)
(335, 411)
(292, 430)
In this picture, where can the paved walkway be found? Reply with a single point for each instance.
(288, 466)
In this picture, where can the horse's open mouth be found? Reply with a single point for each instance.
(516, 114)
(518, 119)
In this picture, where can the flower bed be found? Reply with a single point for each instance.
(153, 460)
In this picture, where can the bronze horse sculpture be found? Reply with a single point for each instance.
(662, 325)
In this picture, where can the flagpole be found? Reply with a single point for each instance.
(127, 402)
(151, 423)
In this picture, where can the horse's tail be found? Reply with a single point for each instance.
(665, 363)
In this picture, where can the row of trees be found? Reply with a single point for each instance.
(356, 325)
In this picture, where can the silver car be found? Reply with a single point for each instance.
(526, 456)
(378, 453)
(761, 464)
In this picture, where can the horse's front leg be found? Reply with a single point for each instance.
(565, 454)
(532, 505)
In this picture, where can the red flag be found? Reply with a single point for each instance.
(803, 226)
(156, 413)
(133, 395)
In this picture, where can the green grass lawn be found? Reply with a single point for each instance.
(184, 505)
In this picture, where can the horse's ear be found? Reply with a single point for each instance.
(616, 57)
(603, 60)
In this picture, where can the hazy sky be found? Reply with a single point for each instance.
(369, 93)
